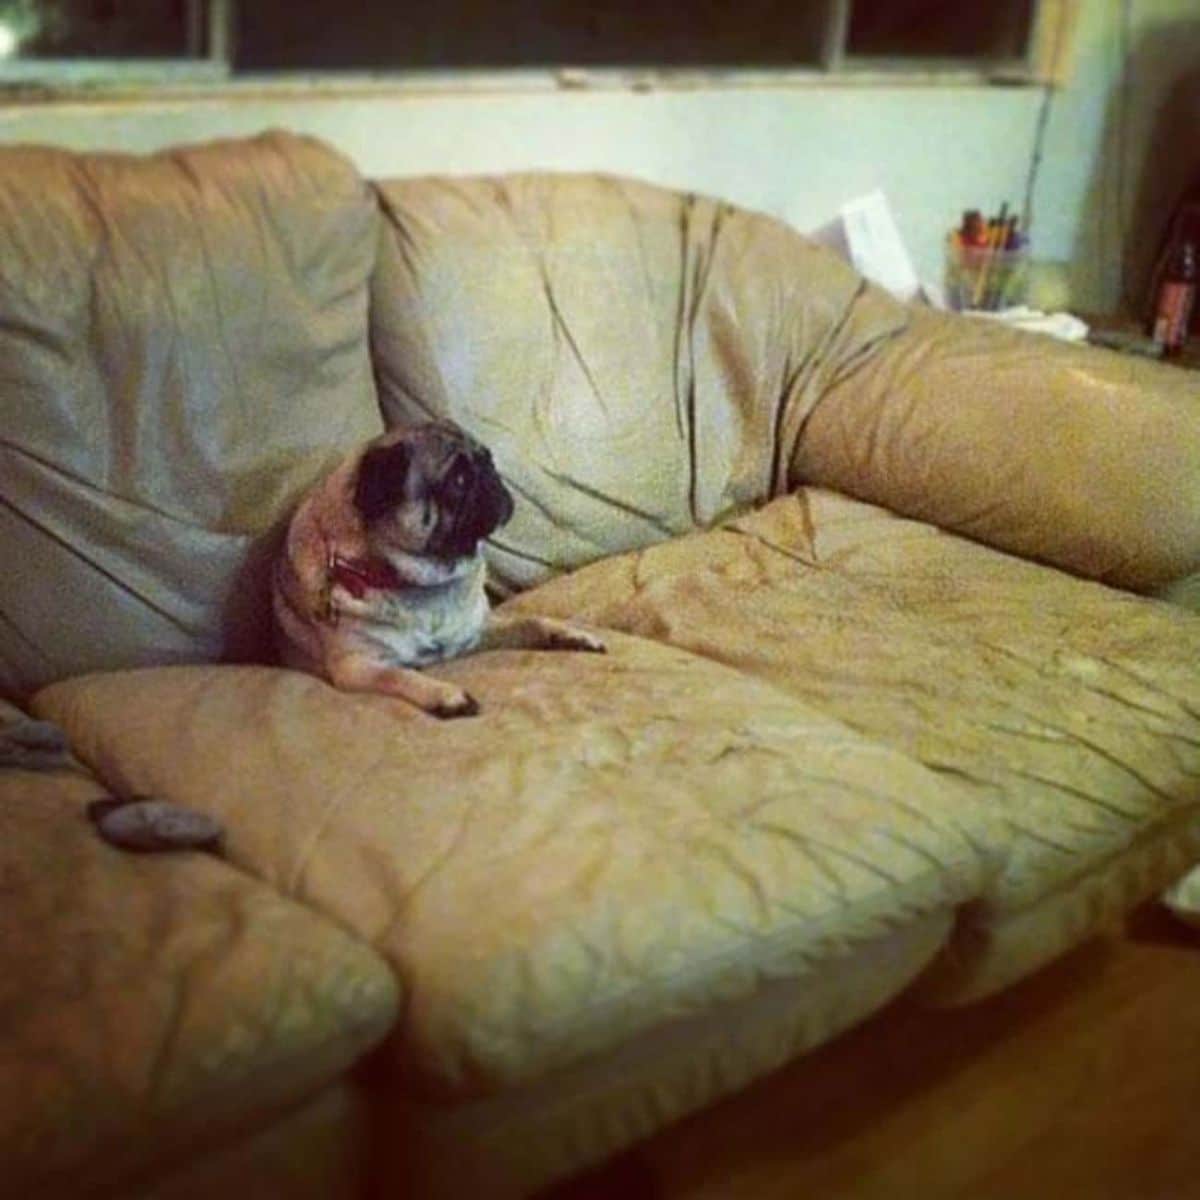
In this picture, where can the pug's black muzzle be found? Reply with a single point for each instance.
(483, 508)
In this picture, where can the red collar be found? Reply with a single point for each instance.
(360, 575)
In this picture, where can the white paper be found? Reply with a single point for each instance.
(875, 246)
(1061, 325)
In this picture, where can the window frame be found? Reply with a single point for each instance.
(1046, 63)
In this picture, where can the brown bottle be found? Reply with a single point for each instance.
(1175, 300)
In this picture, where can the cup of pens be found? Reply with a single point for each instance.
(987, 263)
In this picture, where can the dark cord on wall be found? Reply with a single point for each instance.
(1122, 153)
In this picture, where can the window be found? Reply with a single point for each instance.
(101, 29)
(53, 40)
(281, 35)
(939, 30)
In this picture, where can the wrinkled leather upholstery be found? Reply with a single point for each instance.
(1069, 710)
(183, 349)
(867, 729)
(1082, 458)
(640, 361)
(150, 1006)
(602, 850)
(646, 362)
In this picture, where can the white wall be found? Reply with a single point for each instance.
(796, 151)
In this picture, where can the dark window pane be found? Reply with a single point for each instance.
(97, 28)
(939, 29)
(378, 34)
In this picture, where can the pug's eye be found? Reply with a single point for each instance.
(458, 478)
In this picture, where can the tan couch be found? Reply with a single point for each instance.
(883, 709)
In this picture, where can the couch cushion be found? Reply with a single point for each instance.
(152, 1006)
(1071, 711)
(616, 842)
(508, 1145)
(183, 349)
(640, 360)
(1075, 456)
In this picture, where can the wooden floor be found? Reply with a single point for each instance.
(1083, 1083)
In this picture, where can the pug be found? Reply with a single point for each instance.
(381, 572)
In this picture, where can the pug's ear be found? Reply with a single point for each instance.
(382, 476)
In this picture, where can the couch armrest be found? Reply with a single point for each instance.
(151, 1006)
(1071, 455)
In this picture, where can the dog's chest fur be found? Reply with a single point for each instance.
(436, 611)
(419, 625)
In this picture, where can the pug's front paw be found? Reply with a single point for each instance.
(454, 702)
(568, 638)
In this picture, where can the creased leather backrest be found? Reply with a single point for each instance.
(640, 360)
(183, 349)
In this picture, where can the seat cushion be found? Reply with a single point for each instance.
(183, 350)
(640, 360)
(152, 1005)
(616, 843)
(506, 1146)
(1070, 710)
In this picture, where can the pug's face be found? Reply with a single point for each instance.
(430, 490)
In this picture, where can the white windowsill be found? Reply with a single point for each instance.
(139, 81)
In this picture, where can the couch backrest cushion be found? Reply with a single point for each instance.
(639, 360)
(183, 349)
